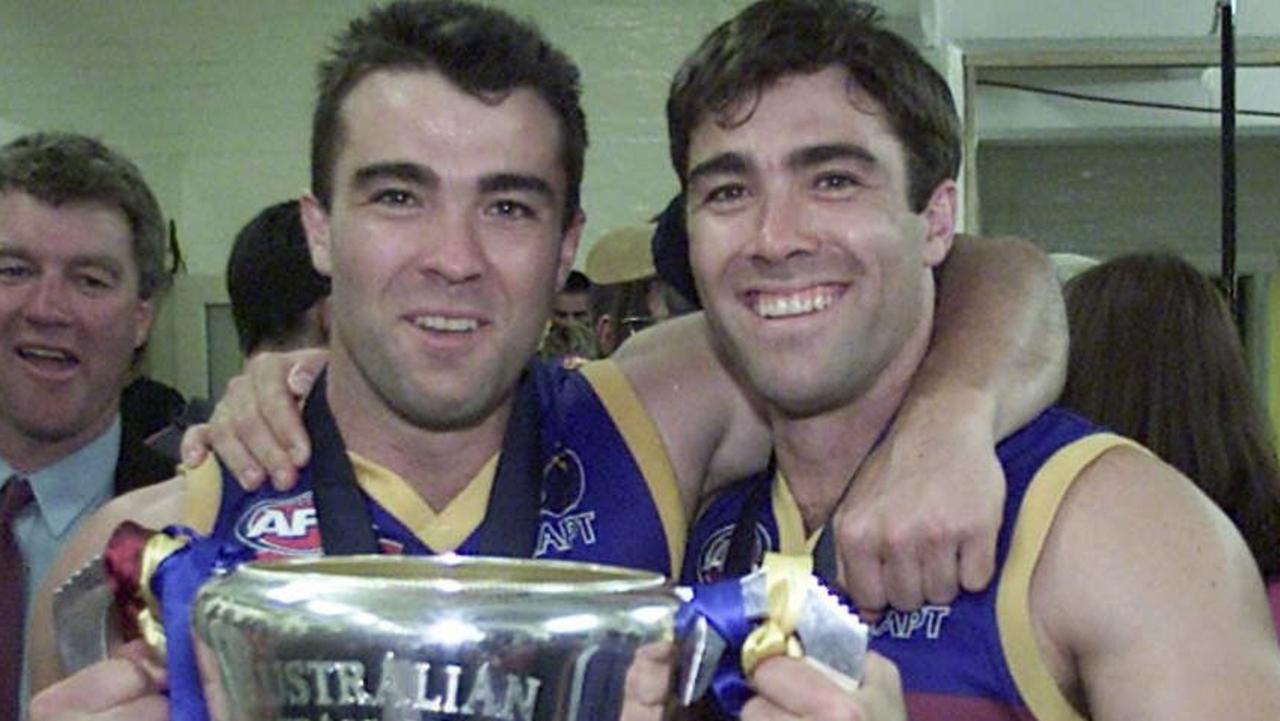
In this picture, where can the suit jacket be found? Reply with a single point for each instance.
(138, 465)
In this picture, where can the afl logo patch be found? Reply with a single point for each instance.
(281, 526)
(563, 483)
(715, 551)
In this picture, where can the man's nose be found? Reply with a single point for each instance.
(782, 232)
(49, 301)
(452, 249)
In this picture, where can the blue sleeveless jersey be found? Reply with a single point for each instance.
(608, 490)
(976, 658)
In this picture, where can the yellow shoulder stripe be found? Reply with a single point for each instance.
(201, 494)
(644, 443)
(1013, 600)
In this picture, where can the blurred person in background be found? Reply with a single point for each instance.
(1155, 356)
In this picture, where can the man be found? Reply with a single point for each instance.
(277, 297)
(819, 153)
(278, 302)
(82, 264)
(446, 162)
(573, 302)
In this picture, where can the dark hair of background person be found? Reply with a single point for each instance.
(270, 279)
(576, 282)
(1155, 356)
(483, 51)
(59, 168)
(725, 76)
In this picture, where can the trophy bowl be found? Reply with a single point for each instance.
(445, 637)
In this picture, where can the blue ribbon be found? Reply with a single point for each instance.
(176, 581)
(721, 604)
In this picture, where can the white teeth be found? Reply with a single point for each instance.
(47, 354)
(448, 325)
(806, 301)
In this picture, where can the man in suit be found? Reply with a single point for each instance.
(82, 262)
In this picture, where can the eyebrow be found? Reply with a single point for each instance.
(508, 182)
(819, 154)
(407, 172)
(728, 163)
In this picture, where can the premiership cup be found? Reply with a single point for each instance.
(447, 637)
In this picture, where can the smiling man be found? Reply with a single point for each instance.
(447, 155)
(819, 153)
(81, 263)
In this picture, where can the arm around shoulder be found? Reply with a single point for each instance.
(155, 506)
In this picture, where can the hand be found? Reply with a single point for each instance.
(257, 424)
(648, 682)
(126, 687)
(921, 518)
(790, 688)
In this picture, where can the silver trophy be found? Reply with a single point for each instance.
(447, 637)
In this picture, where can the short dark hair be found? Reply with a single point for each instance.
(270, 278)
(576, 282)
(1155, 355)
(774, 38)
(483, 51)
(58, 168)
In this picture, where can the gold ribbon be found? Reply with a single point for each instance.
(159, 547)
(785, 587)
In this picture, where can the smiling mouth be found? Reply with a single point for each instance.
(446, 324)
(46, 357)
(808, 301)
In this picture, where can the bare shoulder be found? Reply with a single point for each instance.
(1141, 573)
(711, 424)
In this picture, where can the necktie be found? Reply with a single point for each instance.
(13, 601)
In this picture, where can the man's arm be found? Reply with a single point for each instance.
(1148, 604)
(922, 517)
(154, 507)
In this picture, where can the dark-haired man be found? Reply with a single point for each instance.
(277, 297)
(819, 153)
(446, 164)
(82, 263)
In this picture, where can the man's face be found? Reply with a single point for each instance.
(573, 307)
(444, 243)
(70, 319)
(813, 269)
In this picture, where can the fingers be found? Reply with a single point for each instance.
(940, 570)
(880, 698)
(648, 682)
(126, 688)
(977, 562)
(789, 688)
(279, 401)
(256, 429)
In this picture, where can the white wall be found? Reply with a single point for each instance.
(970, 19)
(212, 97)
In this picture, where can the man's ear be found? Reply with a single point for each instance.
(605, 334)
(569, 247)
(315, 219)
(143, 316)
(940, 223)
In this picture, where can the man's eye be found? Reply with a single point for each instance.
(393, 197)
(512, 209)
(93, 281)
(726, 193)
(836, 181)
(15, 271)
